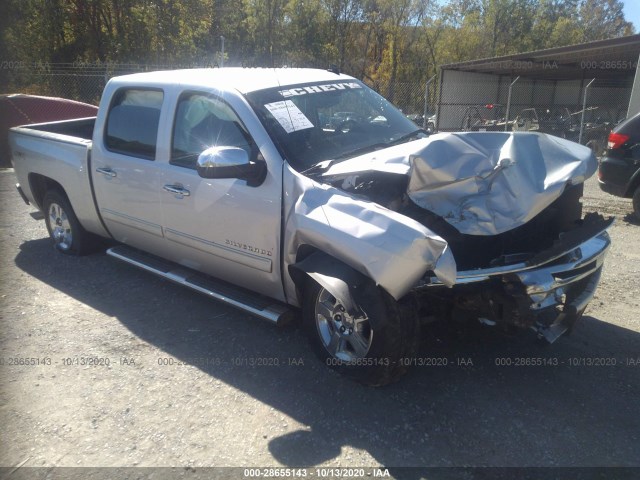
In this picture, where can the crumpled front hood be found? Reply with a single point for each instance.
(481, 183)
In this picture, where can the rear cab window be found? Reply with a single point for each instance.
(132, 122)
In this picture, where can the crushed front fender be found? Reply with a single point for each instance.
(391, 249)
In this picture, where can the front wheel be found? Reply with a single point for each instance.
(373, 346)
(63, 226)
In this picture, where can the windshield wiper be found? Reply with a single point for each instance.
(361, 151)
(380, 146)
(406, 137)
(317, 167)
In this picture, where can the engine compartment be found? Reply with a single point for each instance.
(473, 251)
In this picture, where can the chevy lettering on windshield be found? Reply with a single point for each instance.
(330, 87)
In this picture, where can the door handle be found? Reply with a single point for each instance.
(106, 171)
(177, 189)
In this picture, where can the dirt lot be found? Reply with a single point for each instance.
(186, 382)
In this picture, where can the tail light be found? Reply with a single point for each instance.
(616, 140)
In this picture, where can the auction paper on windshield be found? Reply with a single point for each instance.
(289, 116)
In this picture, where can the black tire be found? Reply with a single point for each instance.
(387, 334)
(63, 226)
(636, 203)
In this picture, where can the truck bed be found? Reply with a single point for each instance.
(79, 128)
(60, 153)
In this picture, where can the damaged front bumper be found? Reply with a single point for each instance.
(547, 293)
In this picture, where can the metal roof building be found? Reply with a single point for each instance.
(558, 77)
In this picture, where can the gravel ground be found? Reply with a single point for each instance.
(193, 383)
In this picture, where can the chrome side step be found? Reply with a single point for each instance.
(237, 297)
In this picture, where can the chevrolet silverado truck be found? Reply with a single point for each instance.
(244, 185)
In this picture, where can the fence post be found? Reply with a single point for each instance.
(584, 106)
(426, 102)
(439, 104)
(221, 51)
(506, 118)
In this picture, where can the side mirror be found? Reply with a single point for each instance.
(230, 162)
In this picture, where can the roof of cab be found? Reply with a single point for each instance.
(244, 80)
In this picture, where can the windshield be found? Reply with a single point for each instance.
(321, 121)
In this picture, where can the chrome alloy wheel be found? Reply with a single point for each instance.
(60, 227)
(345, 337)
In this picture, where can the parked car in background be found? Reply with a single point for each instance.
(19, 109)
(598, 123)
(556, 121)
(416, 118)
(619, 170)
(561, 122)
(431, 123)
(419, 119)
(485, 118)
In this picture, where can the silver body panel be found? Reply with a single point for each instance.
(62, 158)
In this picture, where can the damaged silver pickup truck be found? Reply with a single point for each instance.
(273, 189)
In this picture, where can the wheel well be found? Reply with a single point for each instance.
(633, 184)
(40, 185)
(296, 275)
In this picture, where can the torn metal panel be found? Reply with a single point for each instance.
(391, 249)
(481, 183)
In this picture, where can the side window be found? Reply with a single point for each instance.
(132, 123)
(201, 122)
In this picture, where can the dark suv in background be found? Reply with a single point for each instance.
(619, 171)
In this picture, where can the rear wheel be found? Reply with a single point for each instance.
(636, 203)
(373, 346)
(63, 226)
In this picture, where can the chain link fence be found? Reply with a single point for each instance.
(417, 100)
(83, 82)
(580, 110)
(583, 111)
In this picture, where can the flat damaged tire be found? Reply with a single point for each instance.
(373, 347)
(63, 226)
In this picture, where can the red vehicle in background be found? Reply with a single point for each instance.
(20, 109)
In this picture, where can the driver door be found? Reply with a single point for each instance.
(222, 227)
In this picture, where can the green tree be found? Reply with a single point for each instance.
(265, 28)
(602, 19)
(306, 24)
(343, 16)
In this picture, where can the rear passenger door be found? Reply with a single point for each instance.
(125, 174)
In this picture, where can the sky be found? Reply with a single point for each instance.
(632, 13)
